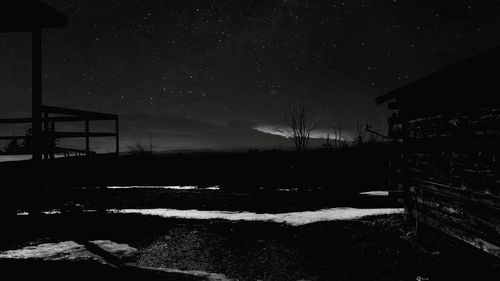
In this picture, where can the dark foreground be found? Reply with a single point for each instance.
(372, 249)
(356, 167)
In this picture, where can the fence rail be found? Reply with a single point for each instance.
(50, 135)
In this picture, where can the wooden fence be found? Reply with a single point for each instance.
(52, 115)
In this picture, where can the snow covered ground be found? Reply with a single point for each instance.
(172, 187)
(293, 218)
(375, 193)
(69, 250)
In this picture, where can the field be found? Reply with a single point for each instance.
(372, 248)
(369, 248)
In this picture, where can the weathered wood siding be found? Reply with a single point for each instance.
(449, 169)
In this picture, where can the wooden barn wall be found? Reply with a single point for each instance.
(451, 174)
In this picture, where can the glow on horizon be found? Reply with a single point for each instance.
(277, 130)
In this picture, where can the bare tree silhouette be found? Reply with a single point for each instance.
(301, 120)
(363, 135)
(139, 149)
(337, 136)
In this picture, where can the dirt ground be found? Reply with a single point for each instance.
(371, 249)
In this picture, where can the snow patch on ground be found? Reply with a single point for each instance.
(293, 218)
(120, 250)
(375, 193)
(73, 251)
(206, 275)
(51, 251)
(172, 187)
(69, 250)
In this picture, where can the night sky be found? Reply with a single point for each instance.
(217, 74)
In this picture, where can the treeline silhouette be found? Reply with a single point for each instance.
(331, 173)
(354, 167)
(14, 146)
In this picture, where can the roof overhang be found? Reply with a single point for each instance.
(470, 82)
(28, 15)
